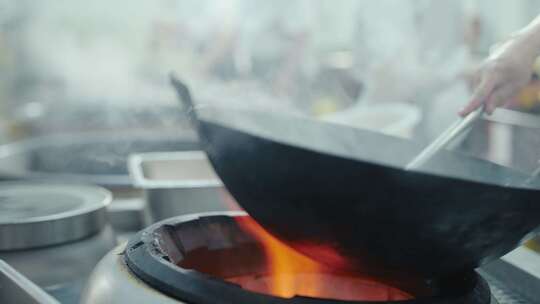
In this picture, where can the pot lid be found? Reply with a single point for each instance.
(38, 215)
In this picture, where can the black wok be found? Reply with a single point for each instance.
(341, 196)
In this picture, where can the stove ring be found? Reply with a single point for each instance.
(150, 257)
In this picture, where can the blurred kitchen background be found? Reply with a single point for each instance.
(84, 86)
(400, 67)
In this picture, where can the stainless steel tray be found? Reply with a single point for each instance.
(178, 183)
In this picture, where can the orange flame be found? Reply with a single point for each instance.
(294, 274)
(284, 263)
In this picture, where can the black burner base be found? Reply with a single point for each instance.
(155, 253)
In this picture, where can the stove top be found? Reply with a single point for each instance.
(514, 279)
(195, 243)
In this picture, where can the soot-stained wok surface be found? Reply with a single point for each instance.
(340, 195)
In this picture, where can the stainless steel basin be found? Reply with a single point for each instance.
(178, 183)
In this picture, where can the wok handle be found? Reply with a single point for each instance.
(184, 95)
(444, 139)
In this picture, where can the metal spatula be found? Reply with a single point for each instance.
(441, 142)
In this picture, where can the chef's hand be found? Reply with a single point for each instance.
(501, 76)
(506, 71)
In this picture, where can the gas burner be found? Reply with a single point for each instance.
(227, 258)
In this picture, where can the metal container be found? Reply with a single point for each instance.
(128, 214)
(18, 289)
(54, 234)
(89, 158)
(178, 183)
